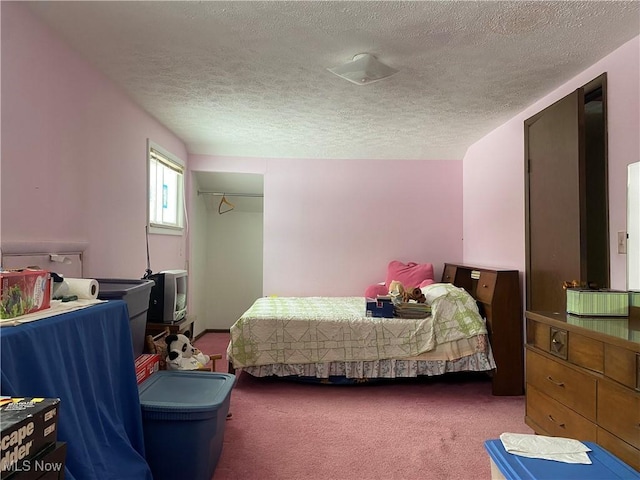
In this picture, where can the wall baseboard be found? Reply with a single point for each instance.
(211, 330)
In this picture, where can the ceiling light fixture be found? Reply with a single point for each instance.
(363, 70)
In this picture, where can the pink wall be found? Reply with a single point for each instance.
(331, 226)
(493, 175)
(74, 155)
(74, 169)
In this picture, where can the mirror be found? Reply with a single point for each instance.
(633, 227)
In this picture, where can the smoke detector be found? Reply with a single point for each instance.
(363, 70)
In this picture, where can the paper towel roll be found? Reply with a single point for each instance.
(84, 288)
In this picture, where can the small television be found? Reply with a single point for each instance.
(168, 297)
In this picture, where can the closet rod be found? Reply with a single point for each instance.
(221, 194)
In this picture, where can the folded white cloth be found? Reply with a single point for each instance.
(559, 449)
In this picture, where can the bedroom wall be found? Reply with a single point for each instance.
(331, 226)
(74, 155)
(493, 169)
(235, 263)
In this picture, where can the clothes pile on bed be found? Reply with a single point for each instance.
(326, 337)
(412, 310)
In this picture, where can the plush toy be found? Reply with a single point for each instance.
(396, 291)
(399, 293)
(414, 294)
(182, 355)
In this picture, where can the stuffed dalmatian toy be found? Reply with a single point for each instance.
(182, 355)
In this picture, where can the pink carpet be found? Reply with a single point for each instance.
(432, 429)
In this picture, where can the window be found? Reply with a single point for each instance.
(166, 191)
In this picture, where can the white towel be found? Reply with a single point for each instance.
(560, 449)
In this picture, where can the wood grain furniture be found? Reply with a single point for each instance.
(184, 325)
(583, 380)
(566, 196)
(500, 301)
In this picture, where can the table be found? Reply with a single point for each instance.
(180, 326)
(85, 358)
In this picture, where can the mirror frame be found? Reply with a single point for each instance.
(633, 227)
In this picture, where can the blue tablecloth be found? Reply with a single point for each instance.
(85, 358)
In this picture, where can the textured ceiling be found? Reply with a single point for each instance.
(250, 78)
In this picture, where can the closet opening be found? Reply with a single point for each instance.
(596, 212)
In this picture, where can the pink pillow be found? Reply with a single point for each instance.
(410, 275)
(373, 291)
(428, 281)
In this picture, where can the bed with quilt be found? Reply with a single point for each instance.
(332, 339)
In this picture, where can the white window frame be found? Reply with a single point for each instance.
(170, 163)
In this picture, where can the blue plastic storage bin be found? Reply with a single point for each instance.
(183, 419)
(604, 466)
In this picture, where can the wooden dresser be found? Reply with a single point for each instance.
(583, 380)
(499, 299)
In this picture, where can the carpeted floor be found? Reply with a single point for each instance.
(426, 429)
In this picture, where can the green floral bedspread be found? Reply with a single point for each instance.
(294, 330)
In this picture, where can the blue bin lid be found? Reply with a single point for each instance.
(181, 391)
(604, 465)
(116, 288)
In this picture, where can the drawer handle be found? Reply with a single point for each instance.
(485, 286)
(559, 384)
(554, 421)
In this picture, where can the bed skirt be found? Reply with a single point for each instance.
(391, 368)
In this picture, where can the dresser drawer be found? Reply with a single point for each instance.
(556, 419)
(619, 448)
(538, 334)
(486, 286)
(569, 386)
(622, 365)
(449, 274)
(619, 411)
(586, 352)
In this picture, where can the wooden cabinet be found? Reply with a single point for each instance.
(566, 200)
(583, 380)
(500, 302)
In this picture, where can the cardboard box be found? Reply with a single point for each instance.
(24, 291)
(595, 303)
(28, 425)
(146, 364)
(380, 307)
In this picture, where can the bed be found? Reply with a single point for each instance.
(330, 339)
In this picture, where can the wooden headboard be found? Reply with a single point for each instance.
(498, 295)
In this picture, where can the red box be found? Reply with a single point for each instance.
(146, 364)
(24, 291)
